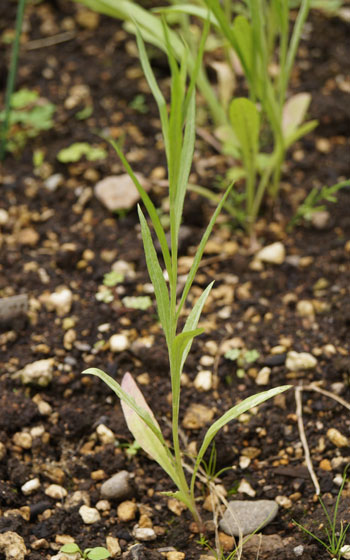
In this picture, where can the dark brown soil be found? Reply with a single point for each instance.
(55, 239)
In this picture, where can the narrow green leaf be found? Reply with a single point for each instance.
(156, 275)
(231, 414)
(200, 250)
(300, 132)
(149, 206)
(193, 318)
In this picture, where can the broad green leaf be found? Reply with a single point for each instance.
(97, 553)
(70, 548)
(79, 149)
(244, 38)
(245, 121)
(22, 98)
(294, 112)
(156, 275)
(141, 432)
(200, 250)
(231, 414)
(137, 302)
(129, 400)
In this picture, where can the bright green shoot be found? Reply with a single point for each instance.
(96, 553)
(178, 127)
(335, 536)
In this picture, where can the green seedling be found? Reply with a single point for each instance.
(139, 104)
(75, 152)
(104, 294)
(97, 553)
(258, 131)
(84, 113)
(335, 535)
(29, 115)
(112, 278)
(314, 202)
(137, 302)
(178, 128)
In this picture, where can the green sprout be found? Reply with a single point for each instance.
(96, 553)
(178, 128)
(76, 151)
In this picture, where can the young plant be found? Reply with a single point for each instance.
(29, 115)
(334, 542)
(256, 131)
(96, 553)
(178, 128)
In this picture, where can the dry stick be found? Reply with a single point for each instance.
(299, 413)
(50, 41)
(314, 387)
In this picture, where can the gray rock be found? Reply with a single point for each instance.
(248, 516)
(117, 487)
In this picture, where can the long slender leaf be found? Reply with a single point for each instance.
(156, 275)
(233, 413)
(158, 228)
(200, 250)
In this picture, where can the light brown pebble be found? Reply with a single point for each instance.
(175, 555)
(197, 416)
(325, 465)
(175, 506)
(56, 492)
(89, 515)
(126, 511)
(113, 546)
(23, 440)
(337, 438)
(227, 542)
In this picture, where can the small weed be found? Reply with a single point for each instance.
(139, 104)
(76, 151)
(96, 553)
(334, 541)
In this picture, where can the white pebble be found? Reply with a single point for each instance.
(4, 216)
(119, 343)
(244, 462)
(105, 435)
(23, 440)
(263, 376)
(283, 501)
(56, 492)
(89, 515)
(245, 488)
(144, 533)
(36, 373)
(297, 361)
(204, 380)
(273, 254)
(30, 486)
(60, 301)
(305, 308)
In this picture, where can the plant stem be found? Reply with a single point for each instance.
(11, 77)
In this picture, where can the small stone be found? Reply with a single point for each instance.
(325, 465)
(321, 219)
(175, 555)
(345, 551)
(30, 486)
(272, 254)
(105, 435)
(89, 515)
(117, 487)
(37, 373)
(28, 236)
(227, 542)
(4, 217)
(113, 546)
(203, 380)
(251, 452)
(103, 505)
(119, 343)
(197, 416)
(248, 516)
(54, 181)
(305, 308)
(126, 511)
(244, 462)
(60, 301)
(56, 492)
(297, 361)
(298, 550)
(283, 501)
(87, 19)
(118, 192)
(175, 506)
(263, 376)
(337, 438)
(245, 488)
(144, 533)
(12, 546)
(23, 440)
(77, 498)
(2, 451)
